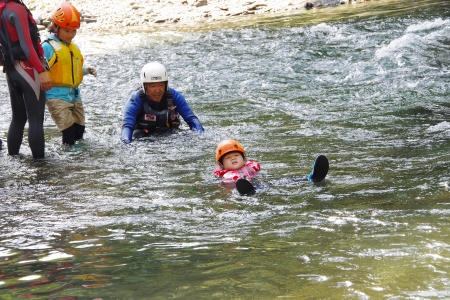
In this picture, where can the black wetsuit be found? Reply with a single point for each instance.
(21, 53)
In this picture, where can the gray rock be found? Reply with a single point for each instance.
(198, 3)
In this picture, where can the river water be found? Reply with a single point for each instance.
(367, 85)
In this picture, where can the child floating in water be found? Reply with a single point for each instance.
(234, 167)
(233, 163)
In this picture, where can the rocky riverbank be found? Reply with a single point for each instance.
(118, 14)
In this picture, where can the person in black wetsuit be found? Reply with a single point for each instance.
(23, 64)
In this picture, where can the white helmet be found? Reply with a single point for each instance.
(154, 72)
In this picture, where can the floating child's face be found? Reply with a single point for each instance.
(233, 161)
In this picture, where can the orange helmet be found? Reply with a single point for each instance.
(65, 15)
(228, 146)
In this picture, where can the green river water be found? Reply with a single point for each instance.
(366, 84)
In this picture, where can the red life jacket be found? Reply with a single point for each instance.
(249, 170)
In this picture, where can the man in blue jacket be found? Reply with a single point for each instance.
(155, 108)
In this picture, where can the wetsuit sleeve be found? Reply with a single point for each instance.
(17, 17)
(186, 112)
(130, 114)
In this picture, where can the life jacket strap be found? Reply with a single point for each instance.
(244, 171)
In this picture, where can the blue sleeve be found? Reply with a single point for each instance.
(130, 114)
(48, 50)
(186, 112)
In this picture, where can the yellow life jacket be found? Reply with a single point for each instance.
(66, 65)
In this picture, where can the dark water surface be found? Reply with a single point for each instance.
(367, 85)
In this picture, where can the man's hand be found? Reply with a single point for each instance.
(44, 79)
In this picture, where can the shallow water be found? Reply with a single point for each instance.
(367, 85)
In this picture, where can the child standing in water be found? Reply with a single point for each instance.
(234, 167)
(66, 73)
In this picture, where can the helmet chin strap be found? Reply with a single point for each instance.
(145, 90)
(57, 31)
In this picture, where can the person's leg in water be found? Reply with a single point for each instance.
(79, 121)
(18, 120)
(68, 135)
(36, 137)
(320, 169)
(68, 117)
(245, 187)
(27, 103)
(79, 131)
(318, 173)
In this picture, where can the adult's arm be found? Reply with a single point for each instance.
(17, 16)
(130, 114)
(186, 112)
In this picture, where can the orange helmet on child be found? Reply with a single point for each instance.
(228, 146)
(65, 15)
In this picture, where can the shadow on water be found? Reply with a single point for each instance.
(367, 85)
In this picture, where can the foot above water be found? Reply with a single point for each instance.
(245, 187)
(320, 169)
